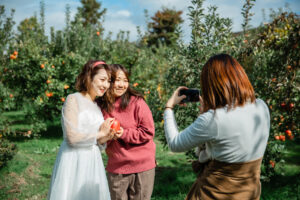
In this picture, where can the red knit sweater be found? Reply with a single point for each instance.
(135, 151)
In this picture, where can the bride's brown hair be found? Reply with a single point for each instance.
(85, 78)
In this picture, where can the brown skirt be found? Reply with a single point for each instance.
(221, 180)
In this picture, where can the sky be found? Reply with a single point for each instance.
(126, 15)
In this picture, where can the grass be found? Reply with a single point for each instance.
(286, 185)
(27, 175)
(17, 120)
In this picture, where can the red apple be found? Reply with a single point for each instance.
(291, 137)
(288, 132)
(283, 105)
(115, 125)
(273, 164)
(282, 137)
(271, 161)
(291, 105)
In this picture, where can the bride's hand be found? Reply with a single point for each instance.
(105, 133)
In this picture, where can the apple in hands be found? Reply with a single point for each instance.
(118, 130)
(115, 125)
(105, 133)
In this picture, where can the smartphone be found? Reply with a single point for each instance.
(192, 95)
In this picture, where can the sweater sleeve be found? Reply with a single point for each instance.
(144, 130)
(202, 130)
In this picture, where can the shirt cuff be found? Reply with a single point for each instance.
(168, 111)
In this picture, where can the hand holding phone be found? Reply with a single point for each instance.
(192, 95)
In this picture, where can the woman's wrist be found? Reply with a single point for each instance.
(100, 135)
(171, 107)
(101, 141)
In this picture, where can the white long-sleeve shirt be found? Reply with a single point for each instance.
(237, 135)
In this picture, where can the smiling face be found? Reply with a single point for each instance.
(121, 84)
(100, 83)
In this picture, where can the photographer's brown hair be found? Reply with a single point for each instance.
(224, 82)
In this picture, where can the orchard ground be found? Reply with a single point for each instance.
(27, 175)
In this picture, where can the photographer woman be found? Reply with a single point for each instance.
(233, 126)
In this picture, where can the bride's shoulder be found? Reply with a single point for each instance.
(73, 97)
(75, 94)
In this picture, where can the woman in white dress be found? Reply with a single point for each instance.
(79, 172)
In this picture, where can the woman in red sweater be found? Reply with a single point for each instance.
(131, 155)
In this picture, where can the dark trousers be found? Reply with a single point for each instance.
(137, 186)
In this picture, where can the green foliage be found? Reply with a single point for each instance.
(164, 27)
(6, 31)
(210, 30)
(89, 12)
(246, 14)
(30, 30)
(7, 151)
(275, 75)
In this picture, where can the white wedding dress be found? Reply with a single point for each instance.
(79, 173)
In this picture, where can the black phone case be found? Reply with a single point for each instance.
(192, 95)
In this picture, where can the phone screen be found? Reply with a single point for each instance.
(192, 95)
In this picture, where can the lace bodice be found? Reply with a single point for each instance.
(81, 120)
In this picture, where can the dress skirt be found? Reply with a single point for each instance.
(79, 174)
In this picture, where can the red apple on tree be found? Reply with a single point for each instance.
(272, 163)
(282, 105)
(291, 137)
(288, 132)
(282, 137)
(291, 106)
